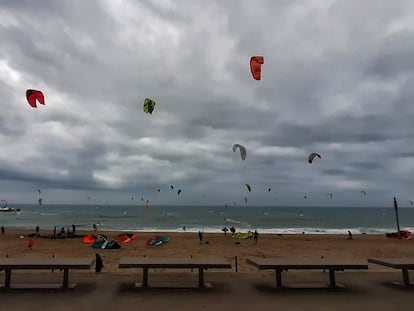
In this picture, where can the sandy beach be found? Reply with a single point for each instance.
(215, 245)
(248, 289)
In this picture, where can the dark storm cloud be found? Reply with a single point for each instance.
(337, 80)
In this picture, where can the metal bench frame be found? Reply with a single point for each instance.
(147, 263)
(280, 265)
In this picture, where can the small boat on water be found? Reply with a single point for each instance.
(5, 208)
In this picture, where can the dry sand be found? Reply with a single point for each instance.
(187, 244)
(247, 289)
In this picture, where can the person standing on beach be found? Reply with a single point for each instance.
(2, 230)
(30, 244)
(349, 235)
(37, 230)
(73, 229)
(98, 263)
(200, 237)
(255, 236)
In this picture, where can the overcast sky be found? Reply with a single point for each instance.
(337, 79)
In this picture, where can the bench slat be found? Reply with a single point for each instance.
(177, 263)
(396, 263)
(275, 263)
(46, 263)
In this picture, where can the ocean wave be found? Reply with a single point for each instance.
(321, 231)
(217, 229)
(232, 220)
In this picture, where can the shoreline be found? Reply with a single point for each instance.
(218, 230)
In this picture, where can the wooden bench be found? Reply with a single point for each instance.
(173, 263)
(280, 265)
(65, 264)
(404, 264)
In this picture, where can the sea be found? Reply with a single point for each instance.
(265, 219)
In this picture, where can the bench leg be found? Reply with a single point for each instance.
(7, 280)
(144, 277)
(65, 278)
(406, 278)
(278, 277)
(200, 277)
(332, 277)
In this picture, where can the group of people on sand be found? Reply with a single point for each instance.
(233, 231)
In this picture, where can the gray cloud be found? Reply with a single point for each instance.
(337, 80)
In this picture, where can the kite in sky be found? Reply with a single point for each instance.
(256, 63)
(149, 106)
(312, 156)
(248, 187)
(34, 95)
(242, 150)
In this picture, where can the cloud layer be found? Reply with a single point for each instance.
(337, 80)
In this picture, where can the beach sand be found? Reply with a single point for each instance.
(187, 244)
(248, 289)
